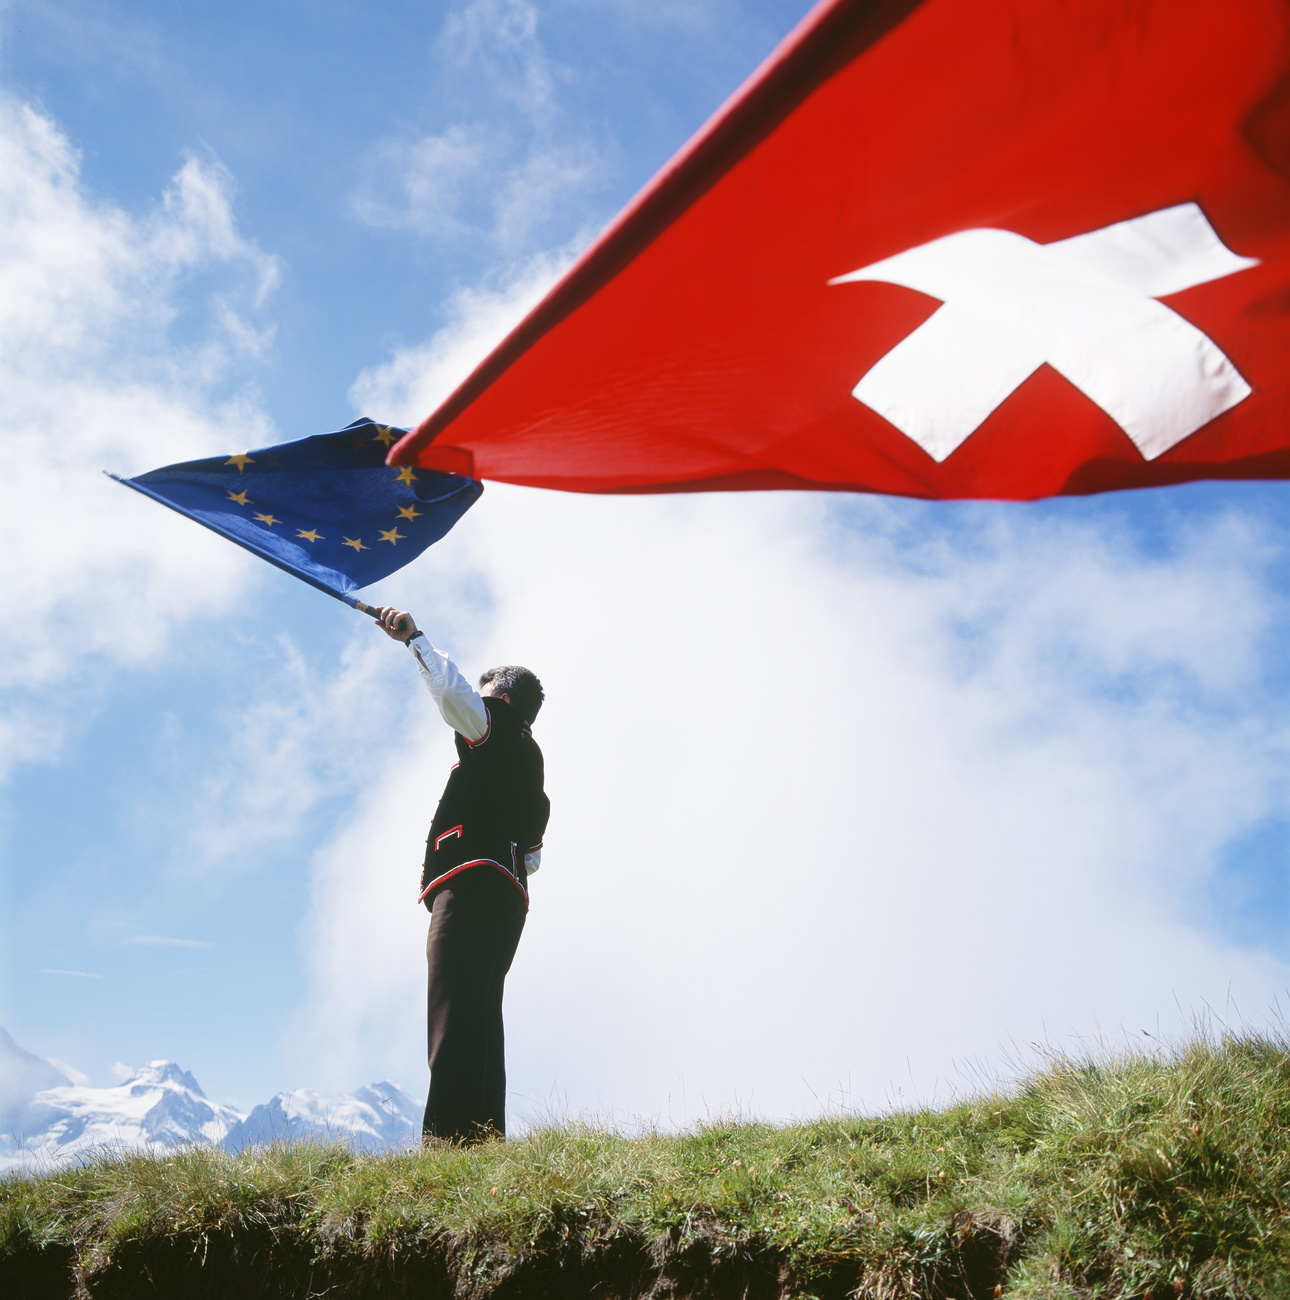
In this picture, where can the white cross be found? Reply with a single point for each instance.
(1086, 306)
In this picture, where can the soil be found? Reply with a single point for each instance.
(582, 1263)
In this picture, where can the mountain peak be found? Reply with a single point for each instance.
(157, 1074)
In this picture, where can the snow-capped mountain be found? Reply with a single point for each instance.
(46, 1119)
(373, 1118)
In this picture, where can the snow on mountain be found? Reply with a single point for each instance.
(159, 1106)
(373, 1118)
(45, 1119)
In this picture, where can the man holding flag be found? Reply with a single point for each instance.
(485, 840)
(328, 510)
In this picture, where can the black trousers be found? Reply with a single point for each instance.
(475, 928)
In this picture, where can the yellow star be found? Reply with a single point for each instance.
(385, 437)
(268, 520)
(239, 497)
(310, 535)
(409, 512)
(406, 475)
(393, 536)
(355, 542)
(241, 460)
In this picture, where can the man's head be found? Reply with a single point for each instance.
(518, 685)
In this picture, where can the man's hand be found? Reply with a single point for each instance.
(396, 623)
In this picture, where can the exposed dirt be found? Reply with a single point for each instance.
(567, 1263)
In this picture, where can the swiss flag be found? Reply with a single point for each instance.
(957, 248)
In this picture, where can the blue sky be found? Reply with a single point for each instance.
(314, 110)
(852, 796)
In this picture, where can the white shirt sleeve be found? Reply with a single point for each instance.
(460, 704)
(532, 861)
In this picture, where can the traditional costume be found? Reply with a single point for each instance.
(484, 842)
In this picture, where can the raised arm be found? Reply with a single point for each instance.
(460, 705)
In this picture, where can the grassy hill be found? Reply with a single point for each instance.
(1164, 1176)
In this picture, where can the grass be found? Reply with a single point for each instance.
(1160, 1176)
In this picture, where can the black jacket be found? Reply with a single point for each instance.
(493, 809)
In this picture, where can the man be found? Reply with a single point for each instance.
(485, 840)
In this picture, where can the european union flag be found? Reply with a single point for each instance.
(326, 508)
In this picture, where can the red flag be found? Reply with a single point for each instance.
(957, 248)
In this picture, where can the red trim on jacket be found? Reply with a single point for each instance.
(439, 839)
(478, 862)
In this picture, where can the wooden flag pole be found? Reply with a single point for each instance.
(370, 610)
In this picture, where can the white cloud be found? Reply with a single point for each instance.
(834, 812)
(246, 338)
(305, 736)
(405, 389)
(198, 226)
(93, 380)
(468, 182)
(498, 39)
(422, 183)
(539, 185)
(78, 1077)
(497, 177)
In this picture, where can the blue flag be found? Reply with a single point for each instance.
(326, 508)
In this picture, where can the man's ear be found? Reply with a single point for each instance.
(504, 696)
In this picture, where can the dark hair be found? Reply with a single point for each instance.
(520, 684)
